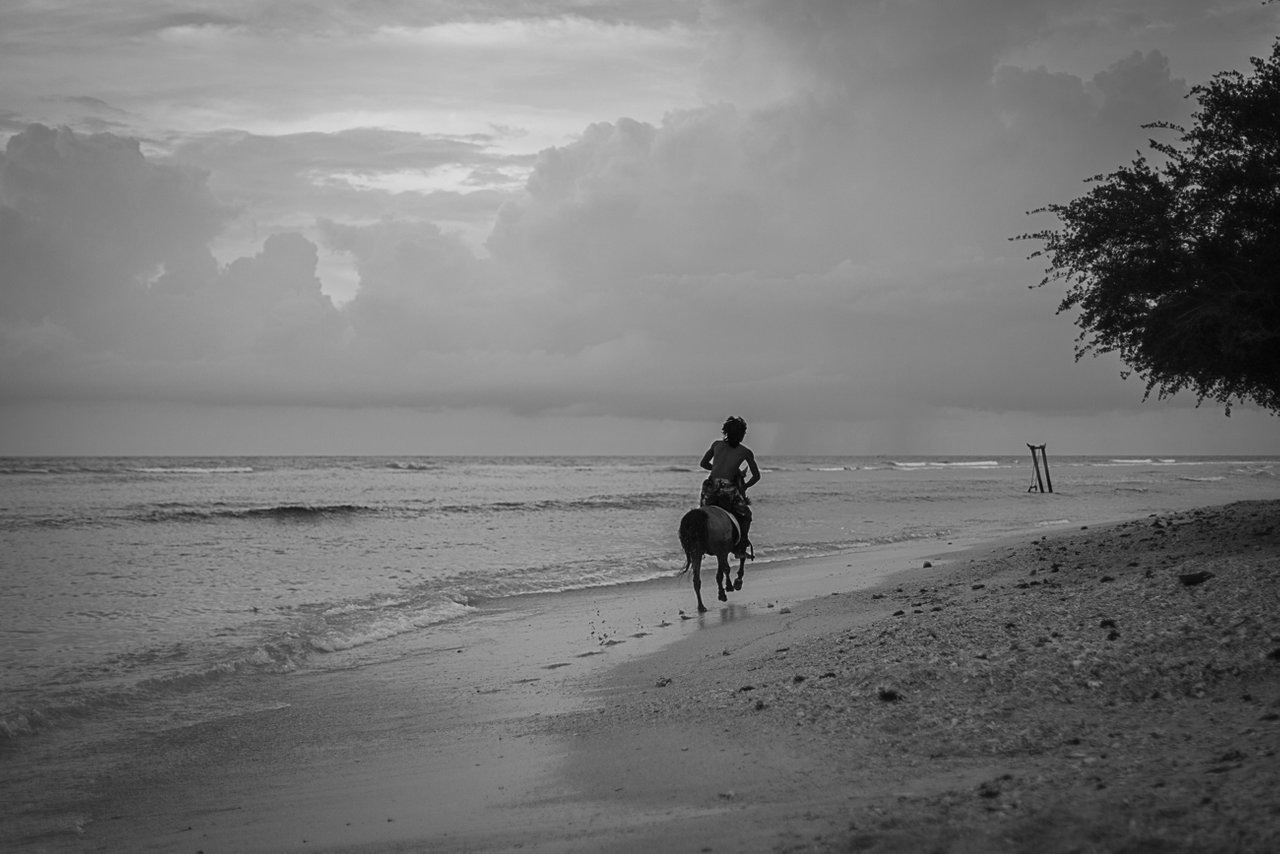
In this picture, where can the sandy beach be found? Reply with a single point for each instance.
(1105, 689)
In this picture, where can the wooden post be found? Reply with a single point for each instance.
(1044, 455)
(1035, 461)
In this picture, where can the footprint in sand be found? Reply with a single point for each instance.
(640, 635)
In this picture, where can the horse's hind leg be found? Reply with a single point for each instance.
(722, 576)
(697, 584)
(742, 567)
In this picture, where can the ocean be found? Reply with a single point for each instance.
(131, 587)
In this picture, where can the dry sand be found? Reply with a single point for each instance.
(1113, 689)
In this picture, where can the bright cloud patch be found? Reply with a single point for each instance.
(452, 178)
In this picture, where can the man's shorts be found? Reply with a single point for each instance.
(724, 493)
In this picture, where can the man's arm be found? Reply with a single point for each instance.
(708, 456)
(755, 472)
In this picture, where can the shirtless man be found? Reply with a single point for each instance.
(725, 486)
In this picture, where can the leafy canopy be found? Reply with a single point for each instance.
(1176, 267)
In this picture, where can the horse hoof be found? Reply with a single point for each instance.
(723, 598)
(737, 584)
(702, 609)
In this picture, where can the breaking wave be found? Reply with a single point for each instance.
(944, 464)
(193, 470)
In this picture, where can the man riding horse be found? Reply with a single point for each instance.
(725, 486)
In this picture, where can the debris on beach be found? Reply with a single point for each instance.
(1191, 579)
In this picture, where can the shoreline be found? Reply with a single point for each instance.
(762, 725)
(1088, 691)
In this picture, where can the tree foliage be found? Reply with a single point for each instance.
(1176, 266)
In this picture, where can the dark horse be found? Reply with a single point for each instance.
(711, 530)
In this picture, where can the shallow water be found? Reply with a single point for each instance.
(128, 584)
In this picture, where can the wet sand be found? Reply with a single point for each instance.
(1067, 690)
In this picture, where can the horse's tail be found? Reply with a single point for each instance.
(693, 536)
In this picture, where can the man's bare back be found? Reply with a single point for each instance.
(725, 461)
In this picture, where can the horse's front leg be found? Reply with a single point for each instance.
(742, 567)
(697, 584)
(722, 576)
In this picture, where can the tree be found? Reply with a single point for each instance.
(1176, 267)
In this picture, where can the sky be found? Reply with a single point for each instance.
(576, 226)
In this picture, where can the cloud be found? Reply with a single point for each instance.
(826, 238)
(107, 272)
(844, 49)
(287, 182)
(85, 218)
(275, 69)
(1140, 88)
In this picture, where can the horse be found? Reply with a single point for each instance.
(711, 530)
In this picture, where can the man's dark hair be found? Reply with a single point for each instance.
(734, 429)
